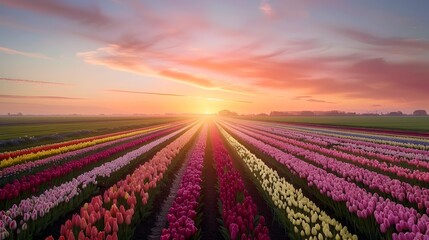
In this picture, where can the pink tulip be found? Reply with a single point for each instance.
(12, 225)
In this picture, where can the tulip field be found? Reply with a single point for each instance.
(219, 178)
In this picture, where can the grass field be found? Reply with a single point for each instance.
(403, 123)
(14, 127)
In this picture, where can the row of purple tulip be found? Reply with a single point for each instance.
(391, 155)
(182, 214)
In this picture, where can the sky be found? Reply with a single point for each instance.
(186, 56)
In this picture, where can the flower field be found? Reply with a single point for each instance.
(219, 178)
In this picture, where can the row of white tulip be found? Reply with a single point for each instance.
(307, 219)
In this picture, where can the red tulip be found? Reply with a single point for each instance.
(107, 228)
(115, 227)
(128, 219)
(81, 235)
(120, 218)
(70, 236)
(233, 229)
(83, 223)
(94, 232)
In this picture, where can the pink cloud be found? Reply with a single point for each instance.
(187, 78)
(88, 14)
(159, 51)
(394, 42)
(145, 60)
(266, 8)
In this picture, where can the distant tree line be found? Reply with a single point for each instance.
(324, 113)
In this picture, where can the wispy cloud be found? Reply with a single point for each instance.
(303, 97)
(34, 81)
(90, 14)
(187, 78)
(5, 96)
(318, 100)
(134, 58)
(178, 95)
(22, 53)
(266, 8)
(225, 100)
(146, 93)
(309, 99)
(379, 41)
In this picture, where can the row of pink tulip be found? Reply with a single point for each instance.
(394, 155)
(112, 214)
(31, 183)
(238, 209)
(387, 155)
(39, 210)
(365, 139)
(27, 167)
(182, 214)
(397, 189)
(380, 166)
(374, 139)
(391, 154)
(388, 214)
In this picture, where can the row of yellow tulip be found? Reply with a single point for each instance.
(305, 218)
(49, 152)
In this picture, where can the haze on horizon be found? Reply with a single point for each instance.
(183, 56)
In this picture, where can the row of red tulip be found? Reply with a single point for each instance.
(238, 209)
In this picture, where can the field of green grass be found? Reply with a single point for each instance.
(403, 123)
(14, 127)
